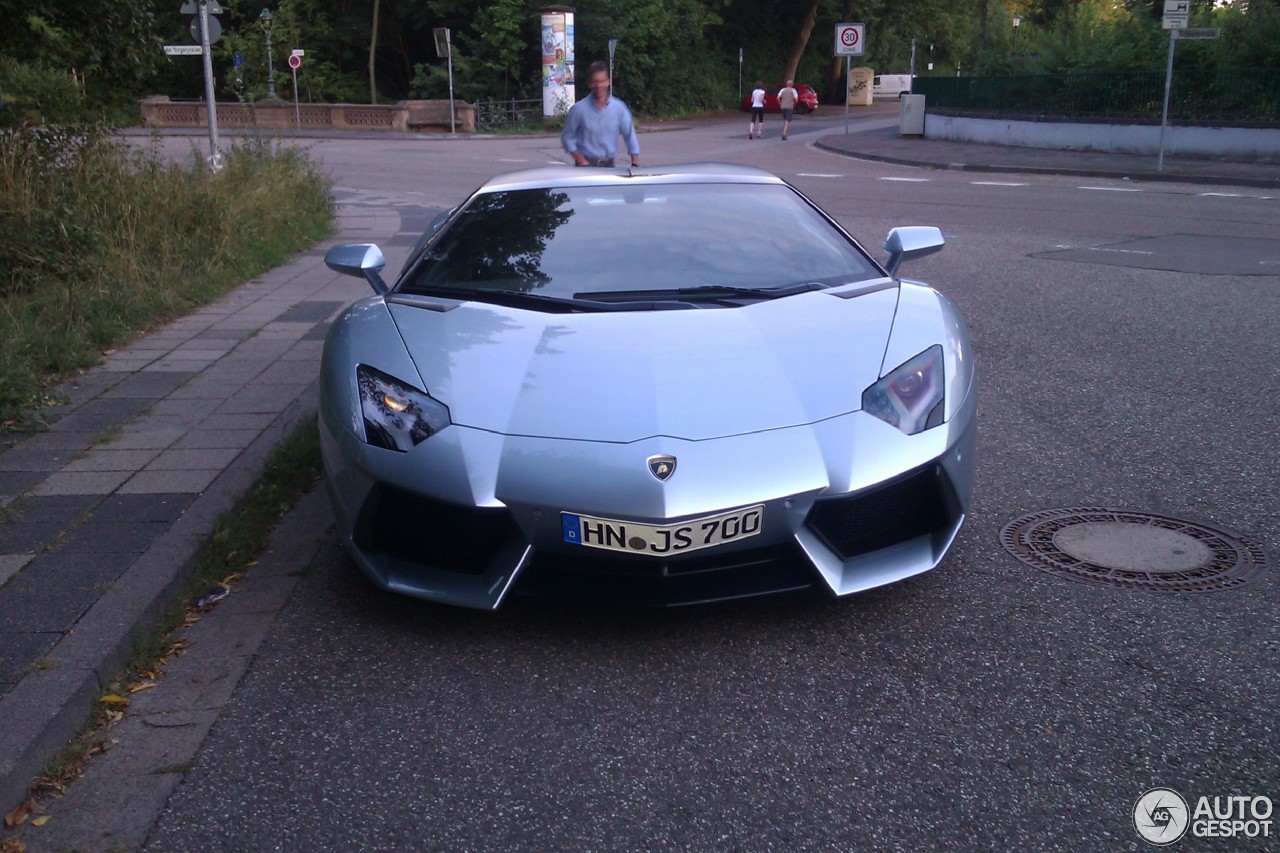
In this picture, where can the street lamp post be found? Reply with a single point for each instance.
(1017, 22)
(265, 20)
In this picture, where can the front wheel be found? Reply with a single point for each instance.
(801, 109)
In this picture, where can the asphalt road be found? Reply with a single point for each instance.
(1127, 359)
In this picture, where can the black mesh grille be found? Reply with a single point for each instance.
(648, 582)
(433, 533)
(919, 503)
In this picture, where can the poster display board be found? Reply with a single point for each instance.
(557, 62)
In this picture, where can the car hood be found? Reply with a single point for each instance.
(625, 376)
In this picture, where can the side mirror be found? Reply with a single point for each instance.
(363, 260)
(909, 242)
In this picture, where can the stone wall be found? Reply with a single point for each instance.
(159, 111)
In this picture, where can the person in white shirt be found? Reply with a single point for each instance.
(757, 111)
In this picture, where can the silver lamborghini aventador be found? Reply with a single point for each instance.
(668, 386)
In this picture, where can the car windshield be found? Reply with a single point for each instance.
(683, 242)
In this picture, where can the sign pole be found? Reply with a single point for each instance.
(297, 113)
(215, 156)
(452, 115)
(1168, 84)
(848, 72)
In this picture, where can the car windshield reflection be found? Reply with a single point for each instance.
(687, 242)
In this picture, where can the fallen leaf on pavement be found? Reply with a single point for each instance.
(19, 813)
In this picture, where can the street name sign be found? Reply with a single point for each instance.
(1198, 33)
(183, 49)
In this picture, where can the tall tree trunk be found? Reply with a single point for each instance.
(373, 54)
(801, 42)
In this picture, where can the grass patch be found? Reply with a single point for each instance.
(101, 242)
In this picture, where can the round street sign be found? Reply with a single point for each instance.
(237, 58)
(295, 61)
(215, 29)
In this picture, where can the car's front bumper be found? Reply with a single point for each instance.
(470, 517)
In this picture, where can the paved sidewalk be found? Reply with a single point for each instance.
(102, 516)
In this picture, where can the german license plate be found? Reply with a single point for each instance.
(611, 534)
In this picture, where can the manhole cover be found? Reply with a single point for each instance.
(1134, 550)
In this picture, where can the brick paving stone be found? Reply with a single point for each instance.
(216, 438)
(114, 537)
(149, 385)
(11, 564)
(163, 482)
(20, 652)
(142, 436)
(82, 483)
(14, 483)
(112, 459)
(25, 537)
(161, 506)
(59, 509)
(52, 590)
(187, 460)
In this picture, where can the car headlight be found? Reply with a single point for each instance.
(910, 397)
(397, 416)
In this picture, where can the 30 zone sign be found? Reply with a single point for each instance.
(850, 39)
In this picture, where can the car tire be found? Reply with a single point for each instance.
(801, 109)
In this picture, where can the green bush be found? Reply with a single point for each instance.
(99, 242)
(37, 96)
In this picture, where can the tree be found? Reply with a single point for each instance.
(373, 55)
(801, 42)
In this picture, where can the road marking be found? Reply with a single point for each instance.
(1112, 189)
(1119, 251)
(817, 175)
(1225, 195)
(908, 180)
(996, 184)
(509, 160)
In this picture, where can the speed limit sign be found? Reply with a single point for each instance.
(850, 39)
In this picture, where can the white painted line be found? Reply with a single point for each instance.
(908, 180)
(1119, 251)
(817, 175)
(1225, 195)
(1111, 189)
(996, 184)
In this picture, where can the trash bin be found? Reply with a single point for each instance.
(911, 115)
(860, 86)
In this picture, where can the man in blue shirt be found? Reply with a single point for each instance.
(593, 126)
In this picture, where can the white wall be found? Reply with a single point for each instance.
(1237, 143)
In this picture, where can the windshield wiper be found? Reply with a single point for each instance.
(702, 292)
(516, 299)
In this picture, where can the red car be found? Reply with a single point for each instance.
(806, 102)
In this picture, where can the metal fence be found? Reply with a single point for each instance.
(1225, 96)
(494, 115)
